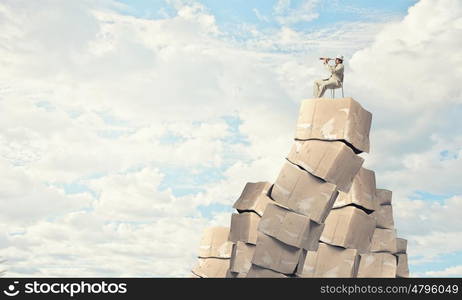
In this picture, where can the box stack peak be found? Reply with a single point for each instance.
(322, 217)
(341, 119)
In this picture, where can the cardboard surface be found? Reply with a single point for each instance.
(259, 272)
(401, 245)
(383, 196)
(334, 119)
(241, 257)
(275, 255)
(384, 217)
(403, 267)
(328, 262)
(230, 274)
(254, 197)
(244, 227)
(334, 162)
(214, 243)
(384, 240)
(374, 265)
(211, 267)
(362, 191)
(303, 193)
(290, 228)
(349, 227)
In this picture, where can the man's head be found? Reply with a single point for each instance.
(339, 59)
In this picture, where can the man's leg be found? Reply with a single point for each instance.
(328, 84)
(316, 86)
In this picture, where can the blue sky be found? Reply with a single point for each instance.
(241, 11)
(101, 157)
(262, 14)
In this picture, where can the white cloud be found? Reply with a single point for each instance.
(102, 113)
(260, 16)
(419, 52)
(286, 15)
(455, 271)
(133, 196)
(408, 73)
(25, 199)
(80, 244)
(408, 79)
(432, 227)
(281, 6)
(434, 169)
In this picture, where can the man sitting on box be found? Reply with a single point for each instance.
(334, 81)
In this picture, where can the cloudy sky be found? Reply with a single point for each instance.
(127, 127)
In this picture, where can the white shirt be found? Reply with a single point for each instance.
(336, 72)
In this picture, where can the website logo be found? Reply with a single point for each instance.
(11, 291)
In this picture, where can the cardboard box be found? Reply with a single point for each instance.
(401, 245)
(275, 255)
(383, 196)
(349, 227)
(362, 191)
(259, 272)
(335, 119)
(384, 240)
(328, 262)
(375, 265)
(230, 274)
(303, 193)
(215, 243)
(241, 257)
(254, 198)
(384, 217)
(334, 162)
(403, 267)
(211, 267)
(306, 267)
(244, 227)
(290, 228)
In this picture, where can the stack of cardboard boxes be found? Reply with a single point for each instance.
(322, 217)
(250, 206)
(348, 232)
(320, 165)
(214, 253)
(387, 256)
(402, 269)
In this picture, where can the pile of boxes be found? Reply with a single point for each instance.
(214, 254)
(348, 232)
(387, 256)
(244, 234)
(322, 217)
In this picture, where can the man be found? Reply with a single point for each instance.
(334, 81)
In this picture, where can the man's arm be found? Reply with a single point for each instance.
(337, 69)
(329, 67)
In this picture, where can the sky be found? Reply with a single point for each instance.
(128, 127)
